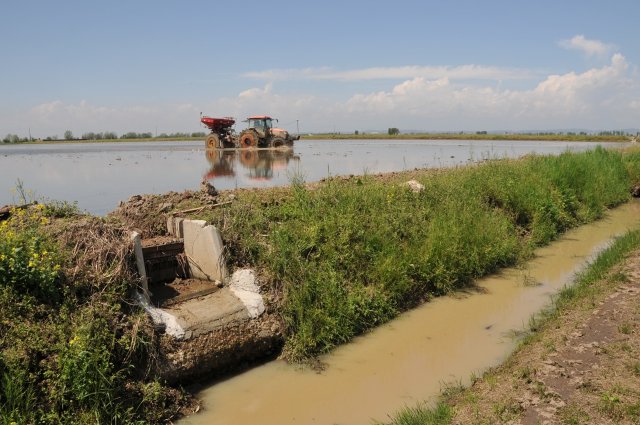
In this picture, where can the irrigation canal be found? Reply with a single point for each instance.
(409, 359)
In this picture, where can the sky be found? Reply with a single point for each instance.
(154, 66)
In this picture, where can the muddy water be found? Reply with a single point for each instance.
(409, 359)
(99, 175)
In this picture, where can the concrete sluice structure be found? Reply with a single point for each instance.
(209, 322)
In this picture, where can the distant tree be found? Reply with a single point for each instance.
(68, 135)
(198, 134)
(393, 131)
(11, 138)
(356, 132)
(110, 135)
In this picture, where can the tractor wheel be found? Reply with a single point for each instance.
(249, 139)
(212, 141)
(277, 142)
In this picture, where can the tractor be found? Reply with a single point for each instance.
(259, 133)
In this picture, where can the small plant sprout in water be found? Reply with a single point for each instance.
(530, 281)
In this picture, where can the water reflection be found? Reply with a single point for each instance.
(259, 163)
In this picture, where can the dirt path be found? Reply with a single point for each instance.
(582, 367)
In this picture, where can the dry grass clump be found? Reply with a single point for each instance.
(97, 253)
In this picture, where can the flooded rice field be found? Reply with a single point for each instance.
(100, 175)
(408, 360)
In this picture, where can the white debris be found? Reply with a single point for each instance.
(243, 285)
(161, 317)
(415, 186)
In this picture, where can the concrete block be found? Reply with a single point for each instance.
(137, 248)
(204, 250)
(174, 226)
(243, 285)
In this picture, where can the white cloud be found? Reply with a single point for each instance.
(463, 72)
(602, 97)
(589, 47)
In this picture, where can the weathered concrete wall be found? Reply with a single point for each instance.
(223, 350)
(204, 250)
(174, 226)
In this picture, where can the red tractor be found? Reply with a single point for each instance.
(259, 133)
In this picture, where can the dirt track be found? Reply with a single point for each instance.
(583, 367)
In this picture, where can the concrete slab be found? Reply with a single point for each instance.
(204, 250)
(208, 313)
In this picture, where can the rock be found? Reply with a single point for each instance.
(208, 188)
(415, 186)
(165, 207)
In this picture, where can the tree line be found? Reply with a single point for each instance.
(106, 135)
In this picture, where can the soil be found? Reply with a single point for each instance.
(582, 367)
(180, 290)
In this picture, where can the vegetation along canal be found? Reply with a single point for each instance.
(411, 358)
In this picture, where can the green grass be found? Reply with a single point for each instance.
(348, 255)
(441, 414)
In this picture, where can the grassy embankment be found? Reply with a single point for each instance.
(340, 257)
(349, 255)
(589, 285)
(474, 136)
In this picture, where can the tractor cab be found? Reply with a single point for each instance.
(261, 123)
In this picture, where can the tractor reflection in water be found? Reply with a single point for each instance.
(260, 163)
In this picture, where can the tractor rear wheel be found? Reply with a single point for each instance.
(248, 139)
(212, 141)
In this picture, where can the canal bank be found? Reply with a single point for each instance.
(414, 357)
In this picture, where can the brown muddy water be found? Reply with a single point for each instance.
(100, 175)
(411, 358)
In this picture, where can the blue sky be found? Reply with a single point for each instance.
(333, 65)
